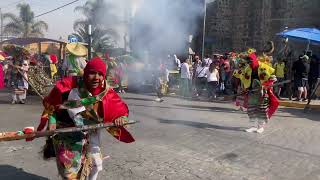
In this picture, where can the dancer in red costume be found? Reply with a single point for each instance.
(76, 101)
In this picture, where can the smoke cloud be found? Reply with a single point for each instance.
(155, 26)
(164, 26)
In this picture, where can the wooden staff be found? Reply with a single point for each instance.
(12, 136)
(258, 89)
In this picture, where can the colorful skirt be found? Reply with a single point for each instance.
(71, 154)
(257, 107)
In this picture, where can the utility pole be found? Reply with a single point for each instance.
(90, 41)
(204, 28)
(1, 25)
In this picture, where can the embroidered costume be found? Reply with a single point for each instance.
(256, 78)
(72, 104)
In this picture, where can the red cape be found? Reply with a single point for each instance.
(113, 107)
(273, 100)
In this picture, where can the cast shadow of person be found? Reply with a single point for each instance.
(8, 172)
(200, 125)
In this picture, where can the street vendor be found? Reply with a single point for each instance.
(77, 101)
(256, 78)
(76, 59)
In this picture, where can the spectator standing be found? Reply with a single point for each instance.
(227, 72)
(280, 74)
(185, 78)
(213, 80)
(201, 78)
(300, 70)
(314, 72)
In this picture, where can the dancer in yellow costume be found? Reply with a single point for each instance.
(256, 77)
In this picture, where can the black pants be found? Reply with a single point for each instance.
(212, 88)
(201, 83)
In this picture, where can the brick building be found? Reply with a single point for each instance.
(235, 25)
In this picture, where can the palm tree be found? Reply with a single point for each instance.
(25, 24)
(97, 13)
(100, 39)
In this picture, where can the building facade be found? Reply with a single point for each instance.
(235, 25)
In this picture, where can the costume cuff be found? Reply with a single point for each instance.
(52, 119)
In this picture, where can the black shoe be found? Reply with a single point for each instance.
(22, 102)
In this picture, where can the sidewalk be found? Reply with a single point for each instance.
(315, 104)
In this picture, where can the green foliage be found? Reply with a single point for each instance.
(95, 12)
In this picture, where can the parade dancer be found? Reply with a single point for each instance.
(75, 102)
(257, 78)
(20, 84)
(75, 62)
(161, 82)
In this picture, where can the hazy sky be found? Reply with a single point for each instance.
(60, 22)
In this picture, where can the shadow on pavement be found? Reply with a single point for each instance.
(200, 125)
(215, 109)
(206, 109)
(4, 102)
(312, 115)
(8, 172)
(138, 99)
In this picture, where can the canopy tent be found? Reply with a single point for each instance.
(311, 35)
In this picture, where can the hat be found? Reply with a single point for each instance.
(77, 49)
(96, 64)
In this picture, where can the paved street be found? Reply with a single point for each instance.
(180, 140)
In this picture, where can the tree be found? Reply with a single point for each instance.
(25, 24)
(97, 13)
(100, 37)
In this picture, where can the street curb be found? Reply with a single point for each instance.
(298, 105)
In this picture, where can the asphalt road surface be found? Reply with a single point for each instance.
(179, 140)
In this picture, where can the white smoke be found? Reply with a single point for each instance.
(156, 26)
(164, 26)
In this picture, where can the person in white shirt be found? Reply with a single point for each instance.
(201, 77)
(185, 78)
(213, 80)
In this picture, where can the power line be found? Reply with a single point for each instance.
(57, 8)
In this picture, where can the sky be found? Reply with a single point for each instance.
(60, 22)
